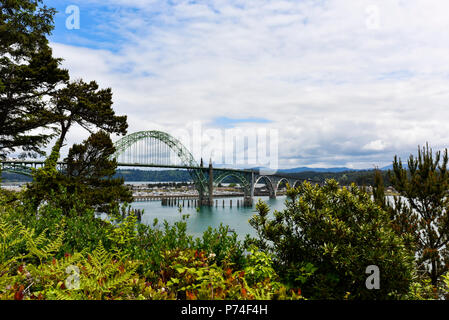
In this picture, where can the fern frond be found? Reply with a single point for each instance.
(54, 245)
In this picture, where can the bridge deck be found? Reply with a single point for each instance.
(35, 163)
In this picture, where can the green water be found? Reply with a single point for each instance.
(199, 221)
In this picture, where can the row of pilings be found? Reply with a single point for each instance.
(176, 202)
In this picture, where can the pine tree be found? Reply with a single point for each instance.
(88, 106)
(379, 189)
(403, 220)
(425, 185)
(28, 74)
(87, 178)
(90, 173)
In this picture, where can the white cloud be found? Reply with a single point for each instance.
(377, 145)
(339, 92)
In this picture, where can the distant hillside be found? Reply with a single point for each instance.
(307, 169)
(360, 177)
(344, 176)
(332, 170)
(154, 176)
(14, 177)
(390, 167)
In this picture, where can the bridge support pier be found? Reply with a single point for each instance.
(248, 201)
(211, 185)
(209, 200)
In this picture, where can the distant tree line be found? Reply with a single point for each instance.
(170, 184)
(360, 178)
(154, 176)
(14, 177)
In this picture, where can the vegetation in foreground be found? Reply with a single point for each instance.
(45, 254)
(317, 248)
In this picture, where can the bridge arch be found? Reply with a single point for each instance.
(280, 181)
(296, 184)
(268, 183)
(125, 143)
(241, 178)
(160, 154)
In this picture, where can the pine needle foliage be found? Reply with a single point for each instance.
(424, 184)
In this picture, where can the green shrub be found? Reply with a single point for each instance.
(326, 238)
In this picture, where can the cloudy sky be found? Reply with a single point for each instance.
(344, 82)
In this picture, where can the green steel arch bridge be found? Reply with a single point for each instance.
(156, 149)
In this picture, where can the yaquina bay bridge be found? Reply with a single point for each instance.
(156, 149)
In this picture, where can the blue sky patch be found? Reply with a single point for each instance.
(98, 26)
(226, 122)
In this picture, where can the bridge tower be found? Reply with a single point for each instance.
(208, 199)
(201, 189)
(248, 199)
(211, 184)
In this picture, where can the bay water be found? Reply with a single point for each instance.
(199, 220)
